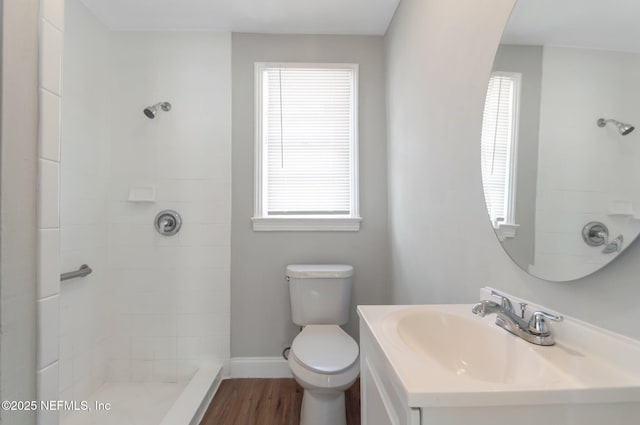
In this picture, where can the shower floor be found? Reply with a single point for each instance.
(131, 404)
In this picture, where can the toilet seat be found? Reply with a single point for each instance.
(324, 349)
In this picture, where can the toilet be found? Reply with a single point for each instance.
(323, 357)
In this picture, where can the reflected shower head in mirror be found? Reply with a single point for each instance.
(151, 111)
(623, 128)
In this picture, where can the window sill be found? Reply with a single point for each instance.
(306, 224)
(506, 231)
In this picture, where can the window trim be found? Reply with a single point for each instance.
(263, 222)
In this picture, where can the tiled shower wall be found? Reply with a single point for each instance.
(48, 222)
(155, 308)
(171, 302)
(84, 303)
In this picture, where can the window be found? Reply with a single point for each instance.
(498, 150)
(306, 147)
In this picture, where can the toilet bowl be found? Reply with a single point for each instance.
(324, 361)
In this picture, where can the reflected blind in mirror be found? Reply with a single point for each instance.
(498, 144)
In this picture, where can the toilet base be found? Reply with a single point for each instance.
(323, 408)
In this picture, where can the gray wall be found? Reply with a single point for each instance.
(526, 60)
(260, 312)
(19, 132)
(443, 249)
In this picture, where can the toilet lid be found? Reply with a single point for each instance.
(324, 348)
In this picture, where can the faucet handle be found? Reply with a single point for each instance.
(504, 301)
(537, 324)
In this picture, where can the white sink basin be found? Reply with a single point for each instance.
(466, 346)
(443, 355)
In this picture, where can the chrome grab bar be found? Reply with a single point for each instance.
(83, 271)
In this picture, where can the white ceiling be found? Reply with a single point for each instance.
(264, 16)
(598, 24)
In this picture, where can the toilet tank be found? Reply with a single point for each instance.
(320, 293)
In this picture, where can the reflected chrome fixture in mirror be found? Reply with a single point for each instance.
(168, 222)
(151, 111)
(614, 246)
(623, 128)
(595, 233)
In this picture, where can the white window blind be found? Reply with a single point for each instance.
(498, 146)
(308, 141)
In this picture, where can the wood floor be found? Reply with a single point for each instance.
(266, 402)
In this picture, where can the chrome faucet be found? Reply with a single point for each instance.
(535, 331)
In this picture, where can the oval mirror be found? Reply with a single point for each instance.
(560, 156)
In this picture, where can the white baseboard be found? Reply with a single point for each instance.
(260, 367)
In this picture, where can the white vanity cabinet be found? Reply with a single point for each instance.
(380, 399)
(443, 365)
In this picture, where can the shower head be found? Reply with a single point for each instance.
(623, 128)
(151, 111)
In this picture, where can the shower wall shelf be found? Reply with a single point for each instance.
(142, 194)
(631, 216)
(622, 209)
